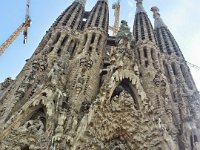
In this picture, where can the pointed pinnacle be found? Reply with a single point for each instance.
(139, 1)
(155, 11)
(158, 20)
(140, 7)
(104, 0)
(82, 2)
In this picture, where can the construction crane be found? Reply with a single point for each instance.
(116, 7)
(193, 66)
(22, 28)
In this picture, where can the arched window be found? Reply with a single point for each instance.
(26, 147)
(186, 77)
(195, 138)
(146, 63)
(174, 69)
(64, 40)
(167, 73)
(153, 54)
(85, 39)
(99, 41)
(72, 47)
(139, 57)
(191, 142)
(145, 52)
(127, 87)
(56, 38)
(93, 38)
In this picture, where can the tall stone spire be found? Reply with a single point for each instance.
(181, 83)
(165, 39)
(158, 20)
(81, 90)
(142, 29)
(72, 16)
(140, 7)
(82, 2)
(99, 15)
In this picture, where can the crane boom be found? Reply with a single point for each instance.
(22, 28)
(27, 9)
(116, 7)
(10, 40)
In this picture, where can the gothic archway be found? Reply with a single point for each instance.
(37, 113)
(126, 86)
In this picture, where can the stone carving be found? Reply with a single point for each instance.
(168, 139)
(26, 83)
(34, 126)
(124, 99)
(6, 83)
(104, 99)
(39, 64)
(118, 145)
(36, 65)
(20, 93)
(156, 65)
(55, 73)
(86, 63)
(79, 85)
(60, 128)
(124, 34)
(156, 79)
(2, 110)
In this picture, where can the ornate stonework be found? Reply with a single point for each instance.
(85, 90)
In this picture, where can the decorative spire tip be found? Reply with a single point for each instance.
(104, 0)
(140, 8)
(156, 15)
(139, 1)
(155, 11)
(82, 2)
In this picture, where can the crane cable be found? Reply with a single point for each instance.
(193, 66)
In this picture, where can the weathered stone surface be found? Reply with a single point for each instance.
(78, 93)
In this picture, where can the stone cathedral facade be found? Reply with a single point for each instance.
(85, 90)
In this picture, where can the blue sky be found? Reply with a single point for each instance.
(181, 16)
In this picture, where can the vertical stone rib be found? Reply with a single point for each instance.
(142, 26)
(96, 13)
(72, 16)
(102, 14)
(181, 80)
(68, 13)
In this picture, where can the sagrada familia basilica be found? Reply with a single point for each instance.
(85, 90)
